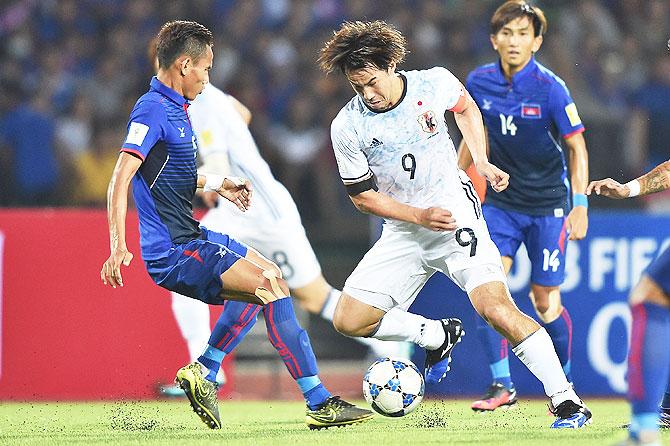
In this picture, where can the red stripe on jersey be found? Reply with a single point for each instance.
(573, 133)
(134, 152)
(460, 104)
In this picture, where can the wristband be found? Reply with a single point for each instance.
(634, 187)
(213, 182)
(580, 200)
(237, 181)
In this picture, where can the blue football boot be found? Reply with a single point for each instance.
(437, 361)
(570, 415)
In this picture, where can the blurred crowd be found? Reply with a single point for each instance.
(72, 71)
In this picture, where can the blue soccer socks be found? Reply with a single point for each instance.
(560, 332)
(211, 358)
(648, 364)
(497, 352)
(235, 321)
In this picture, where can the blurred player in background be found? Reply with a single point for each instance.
(397, 161)
(527, 109)
(649, 355)
(272, 226)
(181, 255)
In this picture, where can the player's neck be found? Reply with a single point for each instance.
(398, 88)
(170, 80)
(510, 70)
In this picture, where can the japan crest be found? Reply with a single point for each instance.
(428, 122)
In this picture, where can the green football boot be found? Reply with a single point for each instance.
(335, 412)
(201, 394)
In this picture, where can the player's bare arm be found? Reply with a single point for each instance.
(234, 189)
(469, 121)
(657, 180)
(577, 221)
(117, 207)
(435, 218)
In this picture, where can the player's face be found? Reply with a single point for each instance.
(516, 42)
(379, 89)
(196, 74)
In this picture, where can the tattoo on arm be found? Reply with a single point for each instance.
(657, 180)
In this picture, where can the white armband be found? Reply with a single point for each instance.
(213, 182)
(634, 187)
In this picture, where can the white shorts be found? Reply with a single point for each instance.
(395, 269)
(283, 241)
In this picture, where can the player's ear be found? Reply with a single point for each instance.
(493, 42)
(537, 43)
(184, 65)
(391, 68)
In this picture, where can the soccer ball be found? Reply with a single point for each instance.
(393, 387)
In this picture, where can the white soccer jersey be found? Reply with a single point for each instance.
(408, 148)
(272, 224)
(219, 128)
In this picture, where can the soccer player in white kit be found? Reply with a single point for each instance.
(397, 161)
(272, 226)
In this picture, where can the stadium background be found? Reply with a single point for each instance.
(72, 70)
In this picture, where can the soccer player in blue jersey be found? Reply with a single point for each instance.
(158, 156)
(527, 110)
(649, 355)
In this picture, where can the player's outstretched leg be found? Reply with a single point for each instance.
(293, 345)
(439, 337)
(501, 393)
(198, 380)
(192, 317)
(533, 347)
(377, 348)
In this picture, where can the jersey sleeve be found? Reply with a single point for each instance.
(351, 161)
(564, 111)
(451, 89)
(145, 128)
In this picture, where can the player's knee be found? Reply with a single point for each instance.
(271, 286)
(347, 326)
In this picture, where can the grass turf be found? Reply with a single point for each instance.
(279, 422)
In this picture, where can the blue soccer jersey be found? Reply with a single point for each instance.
(160, 134)
(525, 120)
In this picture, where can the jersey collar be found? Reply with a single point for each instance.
(402, 96)
(521, 75)
(168, 92)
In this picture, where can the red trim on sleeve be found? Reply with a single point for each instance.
(574, 133)
(133, 152)
(460, 105)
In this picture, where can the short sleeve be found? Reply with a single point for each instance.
(564, 111)
(145, 128)
(351, 161)
(451, 90)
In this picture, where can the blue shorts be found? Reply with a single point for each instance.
(194, 269)
(544, 237)
(659, 271)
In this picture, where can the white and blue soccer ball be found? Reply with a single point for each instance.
(393, 387)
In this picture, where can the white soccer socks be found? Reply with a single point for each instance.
(538, 354)
(399, 325)
(192, 317)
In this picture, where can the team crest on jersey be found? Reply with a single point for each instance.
(428, 122)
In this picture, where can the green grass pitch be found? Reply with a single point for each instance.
(282, 423)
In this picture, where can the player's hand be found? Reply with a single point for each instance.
(238, 191)
(210, 198)
(437, 219)
(577, 223)
(111, 269)
(608, 188)
(498, 178)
